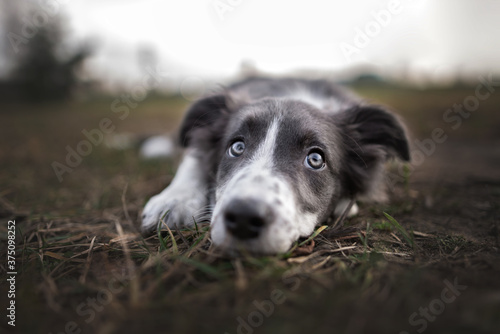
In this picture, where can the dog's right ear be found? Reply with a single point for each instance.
(371, 136)
(205, 115)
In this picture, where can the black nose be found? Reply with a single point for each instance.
(246, 218)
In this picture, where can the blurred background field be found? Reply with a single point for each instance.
(82, 265)
(37, 135)
(452, 202)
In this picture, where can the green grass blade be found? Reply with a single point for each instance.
(196, 226)
(314, 235)
(408, 237)
(163, 244)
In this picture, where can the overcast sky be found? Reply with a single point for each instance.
(422, 39)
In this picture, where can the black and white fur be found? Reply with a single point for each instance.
(269, 196)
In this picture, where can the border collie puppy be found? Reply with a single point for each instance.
(269, 159)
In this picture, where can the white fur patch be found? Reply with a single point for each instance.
(157, 147)
(185, 196)
(309, 98)
(322, 103)
(342, 206)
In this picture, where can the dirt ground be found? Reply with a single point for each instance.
(82, 266)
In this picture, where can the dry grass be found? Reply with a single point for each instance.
(82, 261)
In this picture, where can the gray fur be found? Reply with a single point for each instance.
(354, 138)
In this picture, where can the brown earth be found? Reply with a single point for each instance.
(82, 266)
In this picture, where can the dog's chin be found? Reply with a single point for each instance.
(268, 243)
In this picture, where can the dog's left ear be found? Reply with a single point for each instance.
(207, 118)
(371, 136)
(203, 115)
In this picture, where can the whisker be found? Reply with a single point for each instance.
(204, 209)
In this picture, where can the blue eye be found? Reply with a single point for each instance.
(314, 160)
(236, 149)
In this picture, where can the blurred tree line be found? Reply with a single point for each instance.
(41, 66)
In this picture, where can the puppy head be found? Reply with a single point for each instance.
(277, 176)
(282, 165)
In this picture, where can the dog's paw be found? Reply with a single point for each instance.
(174, 207)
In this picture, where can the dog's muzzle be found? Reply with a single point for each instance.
(246, 218)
